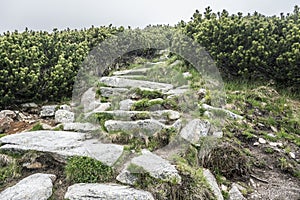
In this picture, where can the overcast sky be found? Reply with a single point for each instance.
(49, 14)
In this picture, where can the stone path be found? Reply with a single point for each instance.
(76, 138)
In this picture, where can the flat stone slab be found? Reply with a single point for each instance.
(89, 191)
(109, 91)
(122, 82)
(194, 130)
(64, 144)
(156, 166)
(177, 91)
(139, 71)
(147, 127)
(80, 127)
(34, 187)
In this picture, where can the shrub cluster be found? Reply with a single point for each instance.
(37, 66)
(253, 47)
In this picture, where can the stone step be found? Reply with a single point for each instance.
(62, 144)
(147, 127)
(34, 187)
(139, 71)
(122, 82)
(88, 191)
(159, 115)
(151, 163)
(109, 91)
(80, 127)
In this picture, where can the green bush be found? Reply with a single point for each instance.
(253, 47)
(38, 66)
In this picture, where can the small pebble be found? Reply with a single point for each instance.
(262, 140)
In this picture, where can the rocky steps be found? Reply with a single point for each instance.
(77, 138)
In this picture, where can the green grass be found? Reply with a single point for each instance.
(264, 105)
(37, 127)
(87, 170)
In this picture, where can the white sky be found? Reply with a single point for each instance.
(49, 14)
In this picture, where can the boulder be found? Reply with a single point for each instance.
(88, 191)
(62, 144)
(64, 116)
(34, 187)
(194, 130)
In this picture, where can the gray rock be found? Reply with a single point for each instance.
(227, 112)
(211, 180)
(126, 177)
(34, 187)
(102, 107)
(177, 91)
(65, 107)
(89, 191)
(147, 127)
(108, 91)
(156, 166)
(48, 111)
(126, 104)
(194, 130)
(62, 144)
(80, 127)
(140, 71)
(165, 115)
(64, 116)
(29, 105)
(122, 82)
(87, 98)
(218, 134)
(235, 194)
(7, 113)
(5, 123)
